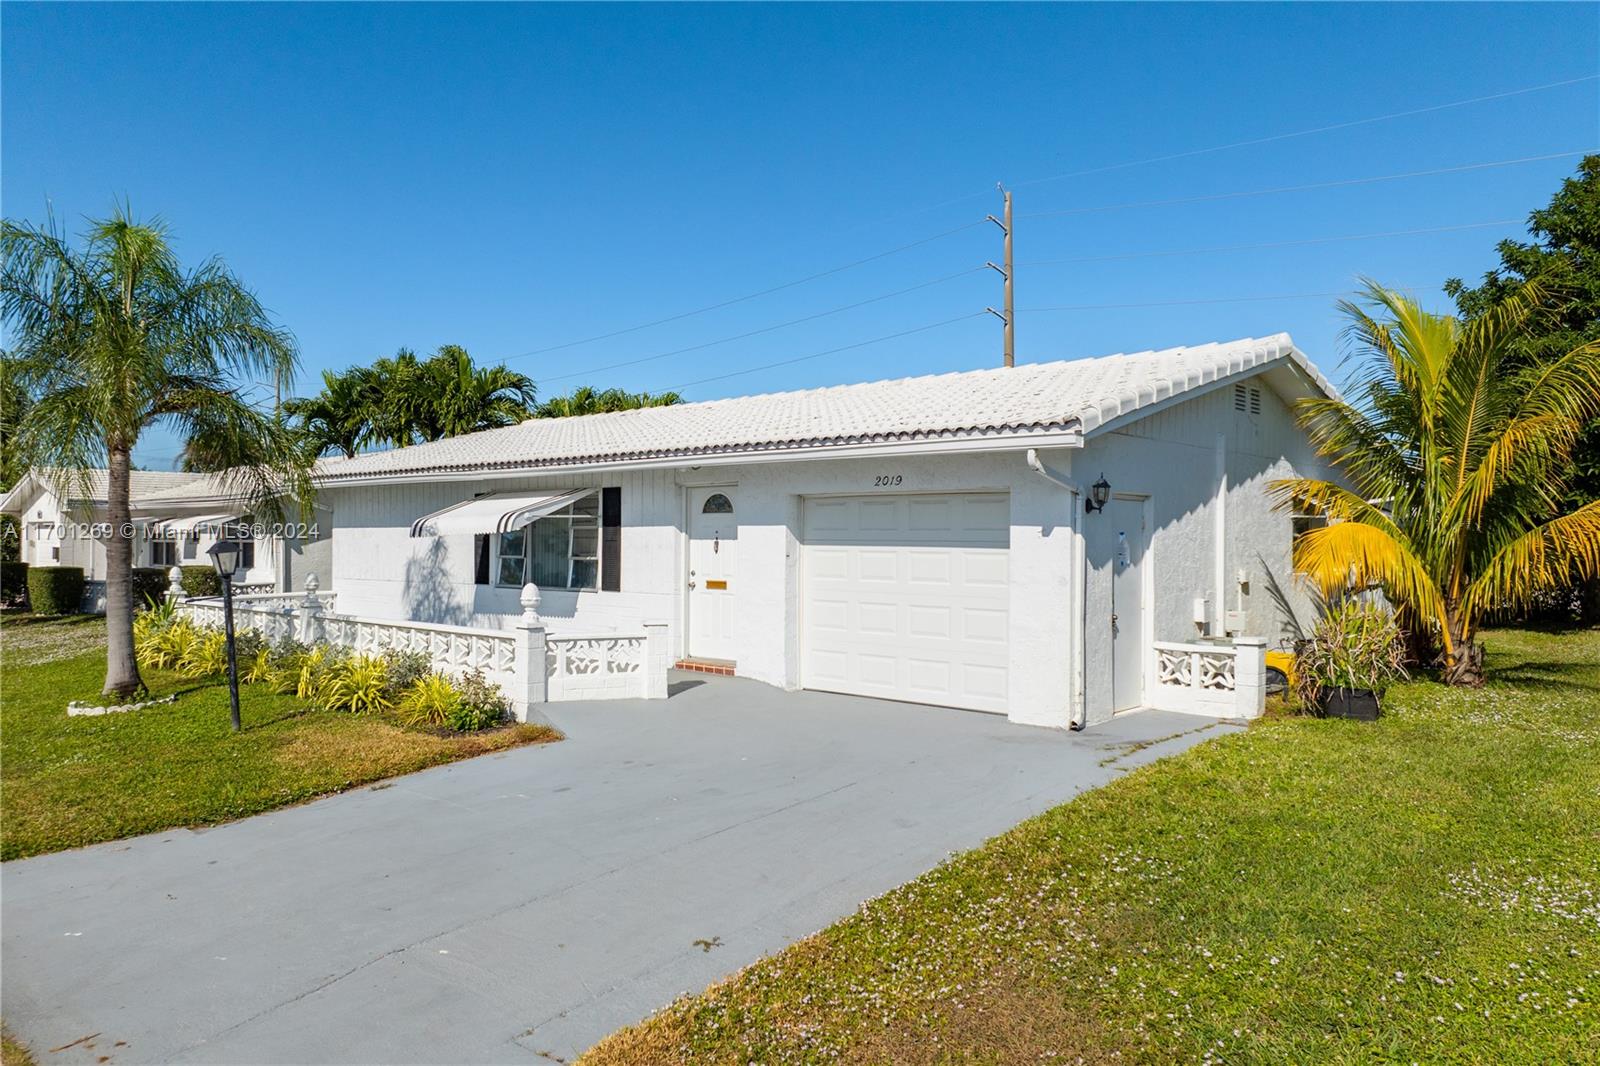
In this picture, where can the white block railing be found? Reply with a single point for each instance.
(568, 667)
(1219, 679)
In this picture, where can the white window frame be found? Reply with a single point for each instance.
(569, 513)
(171, 551)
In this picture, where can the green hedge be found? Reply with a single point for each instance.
(201, 581)
(55, 589)
(149, 584)
(13, 584)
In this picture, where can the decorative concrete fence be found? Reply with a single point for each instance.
(1220, 679)
(531, 664)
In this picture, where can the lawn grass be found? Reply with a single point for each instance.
(74, 781)
(1426, 889)
(12, 1051)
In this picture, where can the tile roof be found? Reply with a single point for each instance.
(140, 482)
(1031, 398)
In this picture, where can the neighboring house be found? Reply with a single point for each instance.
(58, 514)
(177, 517)
(925, 539)
(183, 522)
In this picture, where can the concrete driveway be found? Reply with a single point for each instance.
(518, 907)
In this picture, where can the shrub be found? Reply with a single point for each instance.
(359, 684)
(13, 584)
(312, 672)
(482, 705)
(201, 581)
(430, 700)
(1355, 646)
(149, 585)
(55, 589)
(405, 668)
(258, 669)
(206, 655)
(161, 640)
(247, 643)
(10, 539)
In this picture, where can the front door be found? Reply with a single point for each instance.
(713, 558)
(1125, 520)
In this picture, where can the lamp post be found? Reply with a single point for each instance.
(225, 557)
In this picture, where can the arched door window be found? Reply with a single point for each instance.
(717, 503)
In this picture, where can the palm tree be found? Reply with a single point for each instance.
(337, 419)
(586, 400)
(1455, 451)
(401, 400)
(116, 337)
(463, 398)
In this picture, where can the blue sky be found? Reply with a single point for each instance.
(513, 178)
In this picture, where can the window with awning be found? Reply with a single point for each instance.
(553, 538)
(495, 512)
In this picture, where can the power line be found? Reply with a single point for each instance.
(832, 351)
(1036, 181)
(1170, 157)
(1275, 244)
(1310, 132)
(751, 296)
(767, 329)
(1303, 188)
(1187, 303)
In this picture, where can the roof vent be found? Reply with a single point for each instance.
(1247, 398)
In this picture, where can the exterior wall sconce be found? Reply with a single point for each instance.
(1099, 493)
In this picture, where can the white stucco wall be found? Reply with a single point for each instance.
(381, 570)
(1170, 457)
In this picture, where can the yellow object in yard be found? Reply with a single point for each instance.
(1283, 662)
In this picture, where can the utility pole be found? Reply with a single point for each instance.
(1009, 316)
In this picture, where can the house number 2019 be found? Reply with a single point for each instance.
(884, 481)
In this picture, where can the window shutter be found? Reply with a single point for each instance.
(611, 540)
(480, 560)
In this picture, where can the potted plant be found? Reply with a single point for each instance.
(1352, 656)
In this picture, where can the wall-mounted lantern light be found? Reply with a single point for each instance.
(1099, 493)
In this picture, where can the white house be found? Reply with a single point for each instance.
(930, 539)
(177, 517)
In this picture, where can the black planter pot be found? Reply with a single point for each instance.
(1357, 704)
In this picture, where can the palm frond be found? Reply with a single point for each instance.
(1550, 555)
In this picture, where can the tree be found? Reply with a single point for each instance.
(1457, 451)
(1565, 252)
(115, 337)
(589, 401)
(338, 419)
(14, 404)
(402, 400)
(463, 398)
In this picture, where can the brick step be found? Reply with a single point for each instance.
(720, 667)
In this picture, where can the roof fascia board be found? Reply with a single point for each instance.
(1009, 442)
(1293, 358)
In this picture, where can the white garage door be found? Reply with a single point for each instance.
(904, 597)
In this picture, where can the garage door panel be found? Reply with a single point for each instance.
(878, 619)
(984, 624)
(983, 682)
(923, 589)
(990, 569)
(877, 564)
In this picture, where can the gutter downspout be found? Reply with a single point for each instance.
(1079, 600)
